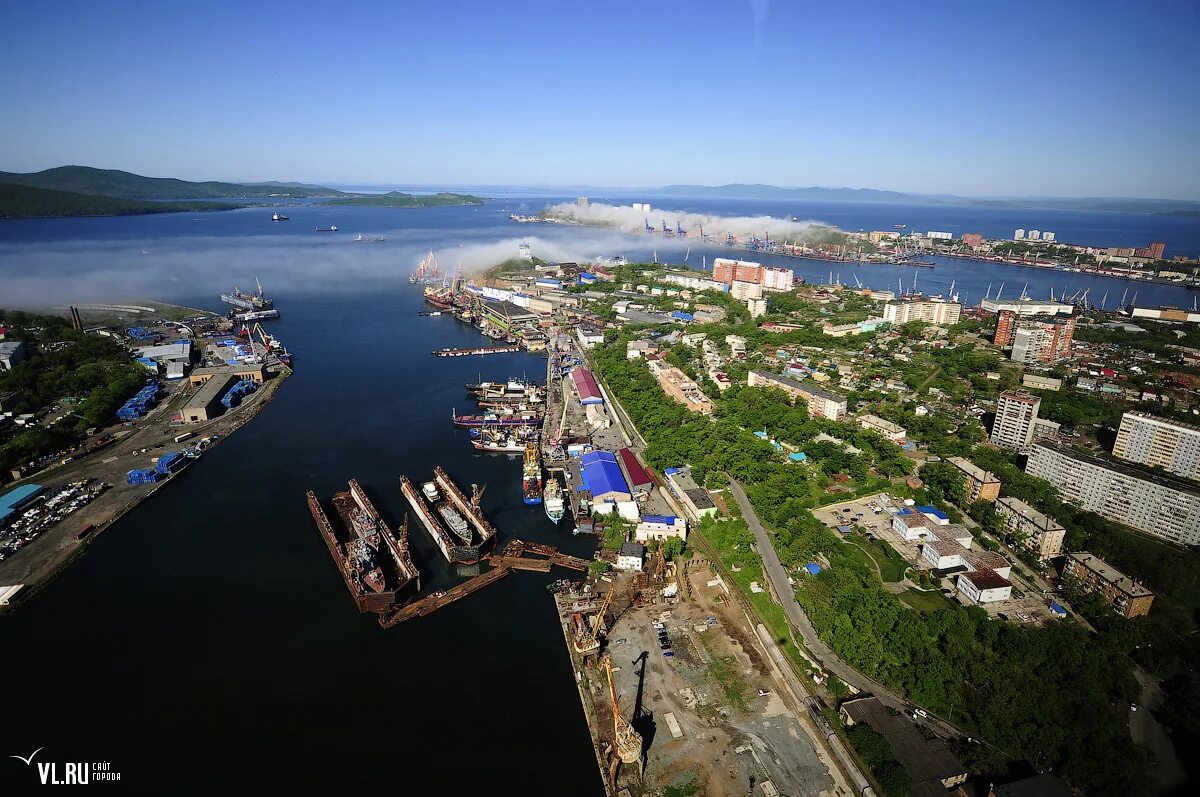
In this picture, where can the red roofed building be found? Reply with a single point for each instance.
(586, 387)
(639, 477)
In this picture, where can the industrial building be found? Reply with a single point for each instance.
(1016, 411)
(695, 498)
(1034, 530)
(586, 387)
(17, 499)
(977, 482)
(630, 556)
(602, 477)
(1159, 442)
(1162, 506)
(1093, 574)
(252, 371)
(507, 316)
(1041, 382)
(932, 769)
(12, 352)
(821, 403)
(660, 527)
(639, 478)
(205, 404)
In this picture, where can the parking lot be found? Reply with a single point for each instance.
(859, 512)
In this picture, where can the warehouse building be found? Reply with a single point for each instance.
(252, 371)
(602, 477)
(17, 499)
(206, 403)
(586, 387)
(639, 478)
(695, 499)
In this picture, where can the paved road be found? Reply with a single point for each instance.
(817, 649)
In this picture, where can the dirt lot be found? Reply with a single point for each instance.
(733, 738)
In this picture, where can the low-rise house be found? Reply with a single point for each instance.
(984, 586)
(631, 556)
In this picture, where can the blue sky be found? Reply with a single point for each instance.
(980, 97)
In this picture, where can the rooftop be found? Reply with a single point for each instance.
(1039, 519)
(974, 471)
(210, 391)
(987, 579)
(1144, 474)
(803, 387)
(633, 549)
(926, 761)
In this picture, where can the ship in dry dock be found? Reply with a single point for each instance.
(374, 562)
(454, 522)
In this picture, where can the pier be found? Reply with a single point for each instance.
(477, 350)
(431, 603)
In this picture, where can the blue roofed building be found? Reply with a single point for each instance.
(602, 477)
(936, 515)
(660, 527)
(14, 500)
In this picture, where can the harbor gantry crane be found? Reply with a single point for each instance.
(590, 643)
(476, 497)
(628, 740)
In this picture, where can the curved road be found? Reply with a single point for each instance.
(817, 649)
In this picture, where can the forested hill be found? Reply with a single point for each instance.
(125, 185)
(25, 202)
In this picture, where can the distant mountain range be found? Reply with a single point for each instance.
(124, 185)
(814, 193)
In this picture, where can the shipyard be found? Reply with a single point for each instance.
(205, 375)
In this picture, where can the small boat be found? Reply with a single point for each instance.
(430, 490)
(277, 216)
(431, 315)
(374, 239)
(330, 228)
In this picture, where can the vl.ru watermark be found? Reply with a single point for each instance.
(72, 773)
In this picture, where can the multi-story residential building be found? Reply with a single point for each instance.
(977, 482)
(757, 307)
(1034, 340)
(768, 278)
(1093, 574)
(1032, 529)
(891, 431)
(1041, 382)
(972, 239)
(1153, 441)
(1159, 505)
(681, 387)
(1026, 307)
(1016, 411)
(745, 290)
(821, 403)
(935, 311)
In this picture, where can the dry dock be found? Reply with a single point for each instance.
(437, 600)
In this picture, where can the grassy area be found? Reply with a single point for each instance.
(688, 788)
(891, 564)
(925, 601)
(725, 672)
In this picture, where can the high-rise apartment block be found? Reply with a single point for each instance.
(1016, 411)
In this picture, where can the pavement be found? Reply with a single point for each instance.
(782, 589)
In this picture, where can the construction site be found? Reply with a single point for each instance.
(680, 692)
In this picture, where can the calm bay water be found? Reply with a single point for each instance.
(206, 638)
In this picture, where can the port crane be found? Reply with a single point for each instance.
(667, 231)
(679, 231)
(590, 643)
(649, 229)
(476, 496)
(628, 741)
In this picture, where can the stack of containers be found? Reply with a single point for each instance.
(140, 404)
(232, 398)
(146, 476)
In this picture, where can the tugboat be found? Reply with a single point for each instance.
(277, 216)
(554, 504)
(531, 474)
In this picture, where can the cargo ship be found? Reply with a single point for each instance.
(277, 216)
(455, 523)
(248, 301)
(511, 388)
(256, 315)
(330, 228)
(440, 298)
(553, 500)
(531, 474)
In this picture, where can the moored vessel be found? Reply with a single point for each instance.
(455, 522)
(553, 500)
(531, 474)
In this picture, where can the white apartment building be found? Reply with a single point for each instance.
(1158, 505)
(1153, 441)
(891, 431)
(935, 311)
(1016, 412)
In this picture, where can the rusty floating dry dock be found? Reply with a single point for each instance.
(402, 581)
(431, 603)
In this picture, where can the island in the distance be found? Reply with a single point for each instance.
(396, 199)
(86, 191)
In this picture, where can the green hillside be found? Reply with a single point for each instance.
(124, 185)
(25, 202)
(396, 199)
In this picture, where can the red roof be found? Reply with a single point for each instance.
(638, 475)
(585, 383)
